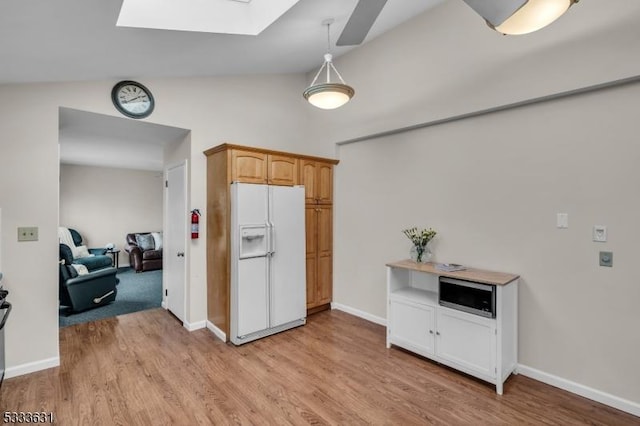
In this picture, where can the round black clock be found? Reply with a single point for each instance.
(132, 99)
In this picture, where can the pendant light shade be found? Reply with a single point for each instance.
(515, 17)
(534, 15)
(328, 95)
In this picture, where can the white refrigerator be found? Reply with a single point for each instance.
(268, 268)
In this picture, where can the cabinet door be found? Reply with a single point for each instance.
(317, 178)
(282, 170)
(411, 326)
(324, 187)
(309, 180)
(324, 218)
(311, 230)
(248, 166)
(468, 341)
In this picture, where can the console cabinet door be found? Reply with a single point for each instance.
(282, 170)
(411, 325)
(467, 340)
(248, 166)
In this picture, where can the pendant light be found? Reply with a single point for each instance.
(328, 95)
(516, 17)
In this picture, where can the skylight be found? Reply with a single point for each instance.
(248, 17)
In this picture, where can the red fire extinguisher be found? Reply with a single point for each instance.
(195, 219)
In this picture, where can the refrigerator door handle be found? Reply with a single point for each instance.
(272, 238)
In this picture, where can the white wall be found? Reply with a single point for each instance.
(263, 111)
(492, 185)
(105, 204)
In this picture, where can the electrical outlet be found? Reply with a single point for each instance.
(28, 233)
(606, 258)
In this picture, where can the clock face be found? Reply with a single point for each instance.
(132, 99)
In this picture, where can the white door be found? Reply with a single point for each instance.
(288, 278)
(175, 240)
(249, 269)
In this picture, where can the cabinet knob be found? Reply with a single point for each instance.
(437, 333)
(430, 331)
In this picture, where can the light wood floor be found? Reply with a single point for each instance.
(144, 368)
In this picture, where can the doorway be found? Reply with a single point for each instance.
(112, 178)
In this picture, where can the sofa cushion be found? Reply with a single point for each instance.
(152, 254)
(95, 262)
(145, 241)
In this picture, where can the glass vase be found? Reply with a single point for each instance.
(420, 254)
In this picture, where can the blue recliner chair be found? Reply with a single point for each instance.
(82, 292)
(99, 259)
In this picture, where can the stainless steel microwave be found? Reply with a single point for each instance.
(467, 296)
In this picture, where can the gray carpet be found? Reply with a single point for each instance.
(136, 292)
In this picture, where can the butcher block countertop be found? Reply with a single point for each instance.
(469, 274)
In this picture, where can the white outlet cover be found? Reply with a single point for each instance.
(599, 233)
(562, 220)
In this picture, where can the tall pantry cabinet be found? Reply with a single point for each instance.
(317, 178)
(233, 163)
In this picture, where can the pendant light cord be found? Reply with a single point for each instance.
(328, 62)
(328, 51)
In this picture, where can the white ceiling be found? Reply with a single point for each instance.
(71, 40)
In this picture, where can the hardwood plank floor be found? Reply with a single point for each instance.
(146, 369)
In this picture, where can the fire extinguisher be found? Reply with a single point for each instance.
(195, 219)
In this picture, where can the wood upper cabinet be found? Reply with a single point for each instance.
(248, 166)
(257, 167)
(282, 170)
(317, 178)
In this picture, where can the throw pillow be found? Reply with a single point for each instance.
(80, 251)
(81, 269)
(145, 241)
(72, 271)
(157, 239)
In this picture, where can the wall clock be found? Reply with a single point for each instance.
(132, 99)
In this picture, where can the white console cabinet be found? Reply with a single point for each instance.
(482, 347)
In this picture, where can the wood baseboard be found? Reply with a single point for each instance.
(317, 309)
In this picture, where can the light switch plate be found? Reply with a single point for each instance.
(599, 233)
(562, 220)
(28, 233)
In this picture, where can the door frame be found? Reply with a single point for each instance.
(187, 246)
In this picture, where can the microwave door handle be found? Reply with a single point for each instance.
(7, 306)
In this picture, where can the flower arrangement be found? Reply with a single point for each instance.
(420, 238)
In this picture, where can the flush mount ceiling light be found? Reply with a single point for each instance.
(515, 17)
(328, 95)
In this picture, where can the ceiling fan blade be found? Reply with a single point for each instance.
(360, 22)
(495, 11)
